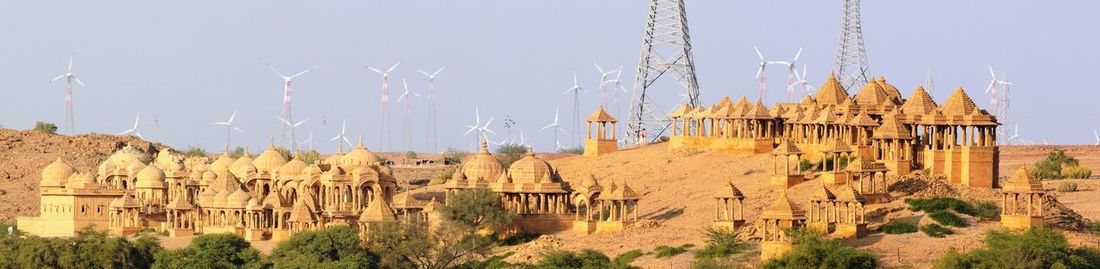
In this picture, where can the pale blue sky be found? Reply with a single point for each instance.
(194, 62)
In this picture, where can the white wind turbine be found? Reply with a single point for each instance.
(406, 96)
(807, 88)
(286, 92)
(1097, 136)
(479, 127)
(556, 128)
(308, 141)
(133, 130)
(994, 83)
(229, 127)
(576, 90)
(384, 138)
(790, 73)
(616, 84)
(342, 136)
(292, 125)
(433, 138)
(1015, 135)
(604, 75)
(998, 91)
(69, 79)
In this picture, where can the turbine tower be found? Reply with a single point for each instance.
(384, 138)
(556, 128)
(576, 91)
(286, 94)
(69, 79)
(433, 139)
(406, 97)
(229, 127)
(851, 56)
(666, 52)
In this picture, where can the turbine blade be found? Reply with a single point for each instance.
(275, 70)
(438, 70)
(796, 55)
(375, 70)
(393, 67)
(78, 81)
(758, 54)
(303, 72)
(58, 77)
(238, 129)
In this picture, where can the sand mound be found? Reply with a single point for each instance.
(1058, 215)
(23, 155)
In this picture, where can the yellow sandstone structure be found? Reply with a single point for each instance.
(783, 174)
(956, 140)
(729, 208)
(779, 218)
(604, 141)
(1022, 201)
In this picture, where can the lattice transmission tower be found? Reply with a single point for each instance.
(666, 51)
(851, 56)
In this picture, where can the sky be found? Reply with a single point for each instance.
(189, 63)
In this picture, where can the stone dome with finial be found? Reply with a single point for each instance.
(531, 170)
(269, 160)
(482, 166)
(150, 177)
(359, 157)
(235, 167)
(238, 199)
(292, 169)
(221, 165)
(57, 173)
(82, 181)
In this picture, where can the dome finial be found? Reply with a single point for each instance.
(271, 142)
(360, 145)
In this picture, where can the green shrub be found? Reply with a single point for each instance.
(310, 157)
(713, 264)
(195, 151)
(509, 153)
(628, 257)
(453, 156)
(211, 251)
(987, 211)
(813, 250)
(45, 127)
(410, 155)
(948, 218)
(586, 258)
(935, 230)
(1067, 187)
(805, 165)
(939, 204)
(1035, 248)
(1095, 227)
(574, 150)
(517, 239)
(1051, 166)
(443, 177)
(237, 152)
(667, 251)
(898, 227)
(88, 249)
(720, 243)
(1076, 172)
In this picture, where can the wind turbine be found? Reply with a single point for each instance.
(292, 125)
(603, 82)
(133, 130)
(481, 129)
(1097, 136)
(576, 89)
(761, 77)
(308, 140)
(1015, 135)
(342, 136)
(69, 79)
(616, 84)
(433, 138)
(229, 127)
(407, 96)
(790, 72)
(384, 139)
(929, 84)
(807, 88)
(556, 129)
(998, 100)
(286, 92)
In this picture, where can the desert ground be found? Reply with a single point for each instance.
(676, 190)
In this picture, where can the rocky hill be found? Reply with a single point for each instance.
(23, 155)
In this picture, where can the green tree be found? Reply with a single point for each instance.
(415, 246)
(195, 151)
(453, 156)
(211, 251)
(1035, 248)
(584, 259)
(237, 152)
(814, 250)
(510, 153)
(410, 155)
(45, 127)
(311, 157)
(88, 249)
(477, 209)
(335, 247)
(1051, 166)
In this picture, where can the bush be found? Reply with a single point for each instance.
(720, 243)
(713, 264)
(443, 177)
(45, 127)
(628, 257)
(1051, 166)
(584, 259)
(1067, 187)
(310, 157)
(574, 150)
(805, 165)
(510, 153)
(948, 218)
(937, 231)
(667, 251)
(237, 152)
(1036, 248)
(88, 249)
(813, 250)
(898, 227)
(477, 209)
(931, 205)
(195, 151)
(211, 251)
(1076, 172)
(410, 155)
(517, 239)
(987, 211)
(453, 156)
(334, 247)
